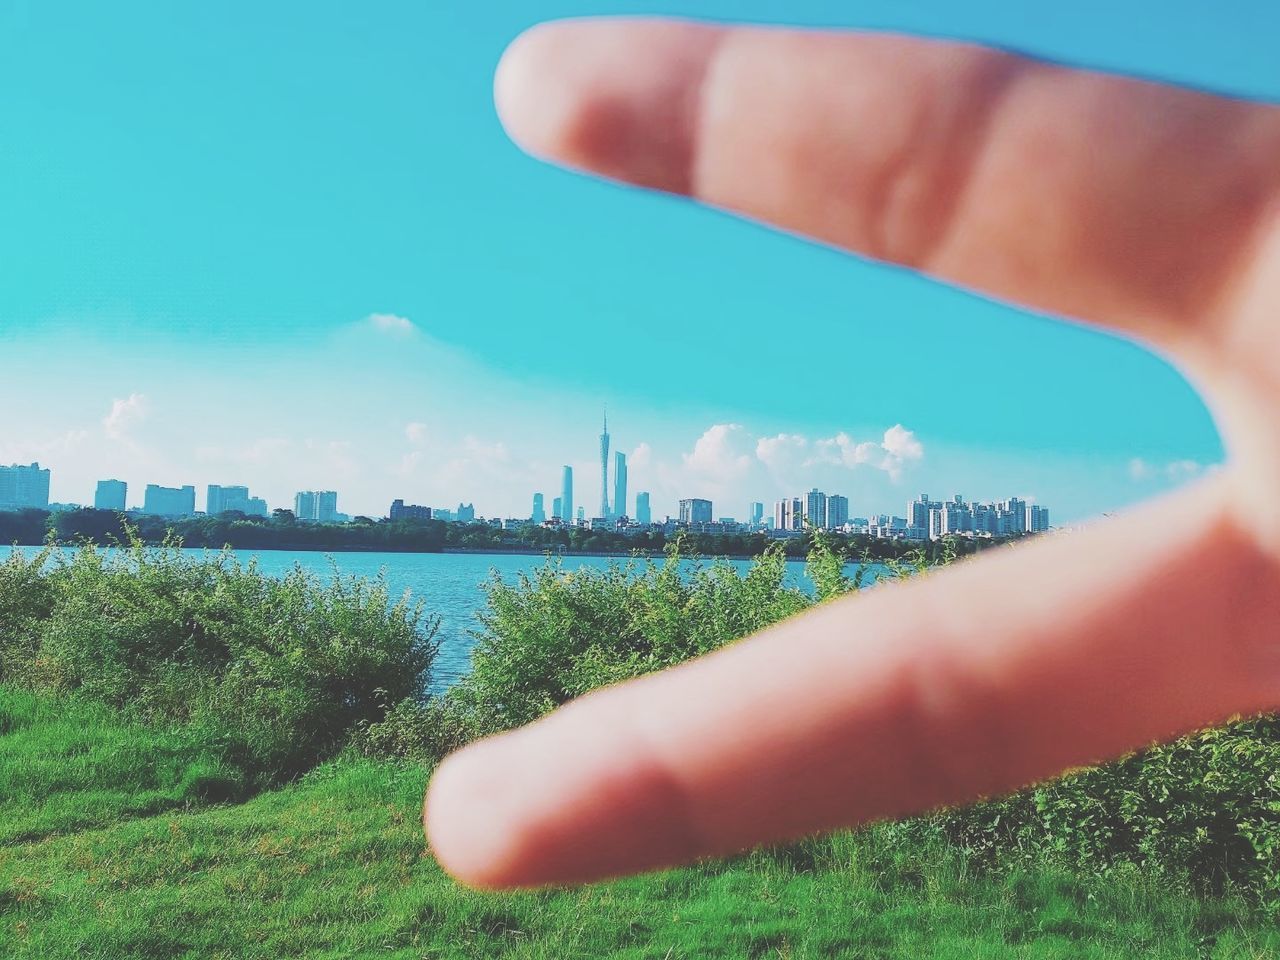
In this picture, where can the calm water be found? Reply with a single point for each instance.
(449, 583)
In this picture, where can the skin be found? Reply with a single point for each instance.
(1142, 208)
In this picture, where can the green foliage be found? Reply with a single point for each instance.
(334, 866)
(276, 673)
(553, 635)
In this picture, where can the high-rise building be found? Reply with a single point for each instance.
(304, 505)
(539, 509)
(788, 514)
(111, 495)
(24, 487)
(837, 511)
(409, 511)
(466, 513)
(220, 499)
(566, 495)
(619, 484)
(316, 506)
(1037, 519)
(755, 514)
(557, 508)
(327, 506)
(695, 511)
(643, 513)
(582, 515)
(815, 508)
(170, 502)
(604, 467)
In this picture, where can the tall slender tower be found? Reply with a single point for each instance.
(604, 467)
(566, 495)
(619, 483)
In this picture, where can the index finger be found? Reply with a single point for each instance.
(1105, 198)
(968, 683)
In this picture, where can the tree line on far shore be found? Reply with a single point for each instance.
(282, 531)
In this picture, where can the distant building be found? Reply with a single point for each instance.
(695, 511)
(788, 514)
(220, 499)
(111, 495)
(619, 484)
(566, 495)
(755, 514)
(172, 502)
(539, 509)
(557, 508)
(1037, 519)
(24, 488)
(604, 468)
(837, 511)
(815, 508)
(316, 506)
(582, 515)
(644, 514)
(409, 511)
(304, 505)
(466, 513)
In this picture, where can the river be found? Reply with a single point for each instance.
(450, 584)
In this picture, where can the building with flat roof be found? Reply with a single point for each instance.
(695, 510)
(24, 487)
(220, 499)
(111, 495)
(409, 511)
(171, 502)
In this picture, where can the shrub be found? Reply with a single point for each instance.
(277, 672)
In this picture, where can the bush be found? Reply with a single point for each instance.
(278, 673)
(1204, 810)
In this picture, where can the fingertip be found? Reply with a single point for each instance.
(616, 96)
(464, 826)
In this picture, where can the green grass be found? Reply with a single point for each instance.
(112, 848)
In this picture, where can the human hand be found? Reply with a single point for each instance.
(1145, 208)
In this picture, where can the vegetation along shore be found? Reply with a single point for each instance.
(200, 760)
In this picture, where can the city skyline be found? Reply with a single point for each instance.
(469, 359)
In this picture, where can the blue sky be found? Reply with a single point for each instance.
(202, 208)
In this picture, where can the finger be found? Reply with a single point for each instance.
(1105, 198)
(966, 683)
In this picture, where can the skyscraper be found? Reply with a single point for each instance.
(304, 505)
(111, 495)
(539, 510)
(24, 487)
(557, 508)
(837, 511)
(643, 513)
(566, 496)
(220, 499)
(169, 501)
(756, 514)
(320, 506)
(619, 483)
(788, 514)
(604, 467)
(695, 511)
(815, 508)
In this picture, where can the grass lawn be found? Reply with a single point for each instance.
(111, 846)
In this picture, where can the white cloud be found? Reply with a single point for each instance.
(391, 325)
(891, 454)
(415, 432)
(722, 451)
(124, 415)
(782, 451)
(1141, 470)
(641, 456)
